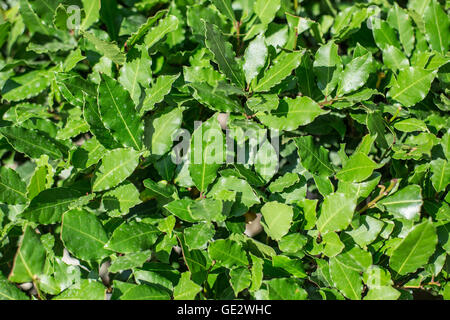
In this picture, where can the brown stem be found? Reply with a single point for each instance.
(383, 192)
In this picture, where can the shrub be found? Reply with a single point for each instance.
(224, 149)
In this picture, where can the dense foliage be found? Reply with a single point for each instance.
(337, 112)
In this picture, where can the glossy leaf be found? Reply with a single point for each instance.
(33, 143)
(281, 68)
(313, 158)
(119, 114)
(186, 289)
(358, 168)
(292, 113)
(12, 188)
(405, 203)
(336, 212)
(436, 26)
(223, 54)
(228, 252)
(117, 165)
(30, 258)
(207, 154)
(412, 85)
(83, 235)
(157, 92)
(266, 10)
(132, 236)
(255, 57)
(277, 219)
(49, 205)
(415, 249)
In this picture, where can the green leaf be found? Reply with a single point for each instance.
(88, 154)
(436, 26)
(348, 281)
(87, 290)
(245, 195)
(160, 131)
(285, 289)
(277, 219)
(136, 74)
(293, 266)
(228, 252)
(327, 67)
(411, 125)
(92, 116)
(117, 165)
(280, 69)
(26, 86)
(415, 249)
(399, 19)
(240, 279)
(117, 202)
(266, 161)
(157, 92)
(333, 245)
(382, 293)
(367, 231)
(204, 210)
(146, 292)
(355, 258)
(441, 174)
(336, 212)
(64, 276)
(207, 153)
(143, 29)
(224, 7)
(360, 190)
(404, 203)
(223, 54)
(394, 58)
(384, 35)
(292, 113)
(49, 205)
(411, 86)
(266, 10)
(306, 79)
(355, 74)
(132, 237)
(358, 168)
(129, 261)
(313, 158)
(30, 258)
(376, 125)
(255, 58)
(91, 10)
(31, 19)
(292, 243)
(105, 48)
(83, 235)
(161, 189)
(33, 143)
(24, 111)
(119, 114)
(8, 291)
(283, 182)
(12, 188)
(139, 132)
(214, 99)
(324, 185)
(165, 26)
(256, 273)
(186, 289)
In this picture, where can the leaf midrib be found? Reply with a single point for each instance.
(121, 116)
